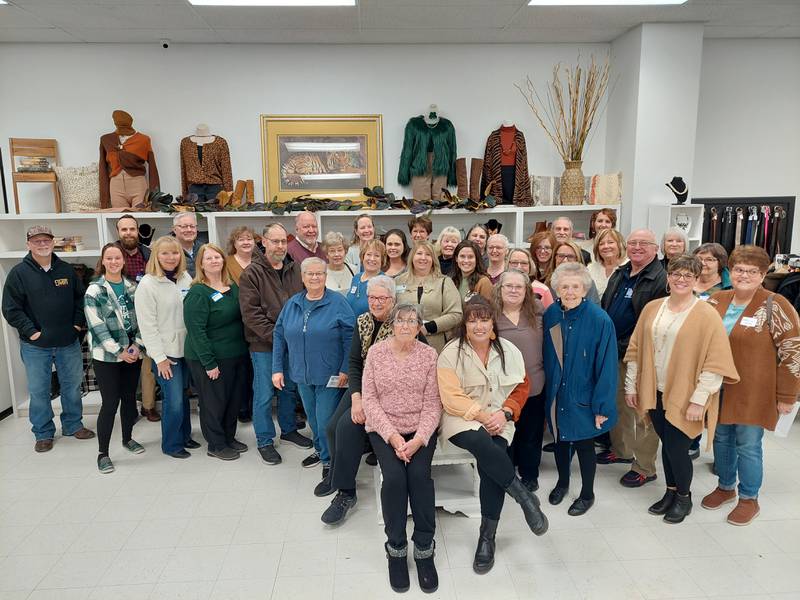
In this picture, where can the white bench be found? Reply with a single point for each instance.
(455, 479)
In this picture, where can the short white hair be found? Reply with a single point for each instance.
(571, 269)
(498, 237)
(184, 215)
(305, 212)
(382, 281)
(567, 219)
(333, 239)
(312, 260)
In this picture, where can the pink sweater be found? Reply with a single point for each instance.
(401, 396)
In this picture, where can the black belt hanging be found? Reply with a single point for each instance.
(714, 225)
(739, 223)
(728, 229)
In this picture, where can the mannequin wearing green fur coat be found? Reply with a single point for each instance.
(419, 140)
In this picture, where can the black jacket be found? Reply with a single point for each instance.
(652, 284)
(47, 301)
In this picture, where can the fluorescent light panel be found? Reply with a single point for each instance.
(602, 2)
(273, 2)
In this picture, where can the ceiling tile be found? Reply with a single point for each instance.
(146, 36)
(391, 16)
(121, 15)
(279, 18)
(36, 35)
(11, 16)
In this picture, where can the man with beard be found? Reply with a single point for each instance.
(136, 256)
(43, 301)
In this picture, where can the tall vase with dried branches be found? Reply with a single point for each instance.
(567, 117)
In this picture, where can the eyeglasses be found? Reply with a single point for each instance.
(517, 263)
(707, 259)
(640, 243)
(681, 276)
(379, 299)
(41, 241)
(513, 287)
(748, 272)
(566, 257)
(185, 226)
(496, 247)
(280, 242)
(409, 322)
(313, 275)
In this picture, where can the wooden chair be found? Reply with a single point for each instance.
(21, 147)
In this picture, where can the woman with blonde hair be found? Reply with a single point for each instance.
(363, 232)
(424, 284)
(373, 255)
(449, 238)
(159, 312)
(608, 253)
(241, 244)
(216, 351)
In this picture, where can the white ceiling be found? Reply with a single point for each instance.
(378, 21)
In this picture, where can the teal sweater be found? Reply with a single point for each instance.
(420, 139)
(213, 327)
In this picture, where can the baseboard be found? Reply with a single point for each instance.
(6, 413)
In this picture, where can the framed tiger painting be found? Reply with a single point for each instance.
(323, 156)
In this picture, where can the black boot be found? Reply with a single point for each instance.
(680, 509)
(530, 506)
(398, 568)
(426, 569)
(484, 553)
(662, 506)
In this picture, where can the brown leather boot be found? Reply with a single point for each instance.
(744, 513)
(717, 498)
(461, 178)
(475, 174)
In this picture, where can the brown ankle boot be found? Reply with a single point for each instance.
(238, 193)
(717, 498)
(744, 513)
(475, 174)
(461, 178)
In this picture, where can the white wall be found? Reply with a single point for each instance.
(68, 92)
(748, 124)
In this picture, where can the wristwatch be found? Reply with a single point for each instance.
(509, 415)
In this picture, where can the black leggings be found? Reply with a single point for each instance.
(346, 442)
(675, 445)
(117, 383)
(403, 484)
(587, 460)
(494, 467)
(526, 448)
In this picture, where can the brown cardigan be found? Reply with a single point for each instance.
(215, 168)
(767, 358)
(701, 345)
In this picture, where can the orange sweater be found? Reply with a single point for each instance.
(134, 156)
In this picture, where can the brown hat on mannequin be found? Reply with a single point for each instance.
(123, 121)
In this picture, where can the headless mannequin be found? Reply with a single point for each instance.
(202, 135)
(205, 164)
(432, 118)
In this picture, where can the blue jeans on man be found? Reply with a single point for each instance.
(737, 449)
(176, 424)
(320, 403)
(69, 370)
(263, 391)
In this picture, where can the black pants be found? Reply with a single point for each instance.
(219, 399)
(246, 407)
(346, 441)
(205, 191)
(526, 448)
(494, 467)
(587, 460)
(675, 444)
(117, 383)
(404, 483)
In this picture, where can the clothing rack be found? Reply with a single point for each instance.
(765, 222)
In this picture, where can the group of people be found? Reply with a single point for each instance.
(393, 346)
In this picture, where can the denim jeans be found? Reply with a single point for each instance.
(320, 403)
(263, 390)
(38, 369)
(176, 425)
(737, 448)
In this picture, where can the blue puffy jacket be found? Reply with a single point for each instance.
(318, 343)
(587, 384)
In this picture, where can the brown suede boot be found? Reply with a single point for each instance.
(251, 191)
(475, 174)
(461, 178)
(744, 513)
(238, 193)
(717, 498)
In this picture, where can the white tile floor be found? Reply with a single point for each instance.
(204, 529)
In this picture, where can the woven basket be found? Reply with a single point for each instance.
(573, 185)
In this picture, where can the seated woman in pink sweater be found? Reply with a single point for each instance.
(401, 402)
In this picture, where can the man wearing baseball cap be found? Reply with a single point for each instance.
(43, 301)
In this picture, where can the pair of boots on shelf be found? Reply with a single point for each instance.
(469, 187)
(243, 190)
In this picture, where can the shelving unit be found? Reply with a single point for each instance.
(663, 216)
(99, 229)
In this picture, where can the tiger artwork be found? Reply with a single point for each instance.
(296, 166)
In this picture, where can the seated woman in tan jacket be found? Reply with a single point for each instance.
(676, 361)
(483, 386)
(424, 284)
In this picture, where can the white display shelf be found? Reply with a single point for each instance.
(13, 228)
(160, 222)
(664, 216)
(20, 254)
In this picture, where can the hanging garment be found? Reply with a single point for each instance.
(727, 229)
(713, 231)
(205, 164)
(752, 223)
(419, 140)
(134, 155)
(505, 167)
(739, 226)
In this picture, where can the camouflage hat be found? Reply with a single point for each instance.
(39, 230)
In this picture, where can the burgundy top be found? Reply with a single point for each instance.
(299, 253)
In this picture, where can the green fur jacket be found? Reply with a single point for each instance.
(418, 141)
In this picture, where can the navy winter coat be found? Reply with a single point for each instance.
(318, 345)
(587, 385)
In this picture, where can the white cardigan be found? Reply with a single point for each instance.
(159, 312)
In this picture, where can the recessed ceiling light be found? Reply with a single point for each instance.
(273, 2)
(602, 2)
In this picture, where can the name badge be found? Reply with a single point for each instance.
(629, 293)
(748, 322)
(184, 292)
(138, 278)
(703, 297)
(216, 296)
(353, 289)
(400, 289)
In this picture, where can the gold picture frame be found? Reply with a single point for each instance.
(324, 156)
